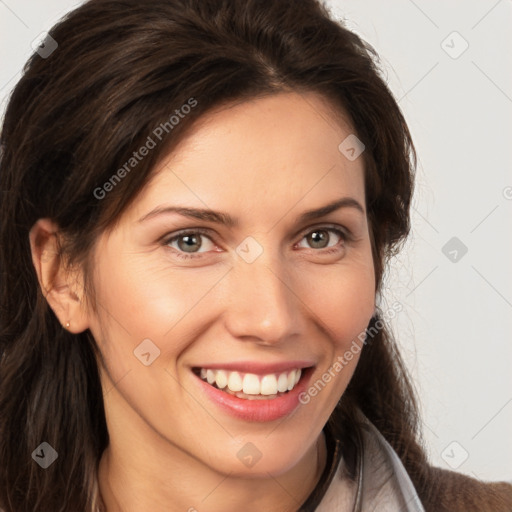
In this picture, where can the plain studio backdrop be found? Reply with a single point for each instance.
(448, 65)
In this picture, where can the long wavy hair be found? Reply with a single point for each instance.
(122, 68)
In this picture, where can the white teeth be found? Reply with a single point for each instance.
(250, 383)
(221, 379)
(282, 383)
(269, 385)
(210, 376)
(235, 382)
(291, 380)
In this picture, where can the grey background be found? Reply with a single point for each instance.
(454, 330)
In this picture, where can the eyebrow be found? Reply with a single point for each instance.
(218, 217)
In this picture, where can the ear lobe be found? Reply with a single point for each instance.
(61, 287)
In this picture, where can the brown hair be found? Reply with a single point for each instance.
(121, 69)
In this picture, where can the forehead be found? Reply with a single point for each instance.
(263, 156)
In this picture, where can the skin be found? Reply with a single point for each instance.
(264, 162)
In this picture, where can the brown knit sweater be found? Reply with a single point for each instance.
(449, 491)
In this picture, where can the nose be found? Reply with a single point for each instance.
(262, 301)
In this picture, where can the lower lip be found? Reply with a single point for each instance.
(257, 410)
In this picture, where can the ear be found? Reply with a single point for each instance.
(62, 287)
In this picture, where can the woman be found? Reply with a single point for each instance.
(173, 338)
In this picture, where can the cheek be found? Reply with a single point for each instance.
(343, 307)
(343, 298)
(143, 299)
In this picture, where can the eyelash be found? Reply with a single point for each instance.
(188, 256)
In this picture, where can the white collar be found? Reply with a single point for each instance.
(382, 483)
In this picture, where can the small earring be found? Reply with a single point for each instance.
(67, 325)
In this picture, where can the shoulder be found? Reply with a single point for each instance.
(442, 490)
(453, 492)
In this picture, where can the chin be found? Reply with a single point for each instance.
(258, 459)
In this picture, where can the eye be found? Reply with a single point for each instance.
(319, 238)
(188, 243)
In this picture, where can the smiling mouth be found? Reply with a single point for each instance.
(250, 386)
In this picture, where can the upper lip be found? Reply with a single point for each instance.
(257, 368)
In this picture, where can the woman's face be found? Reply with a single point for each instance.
(266, 293)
